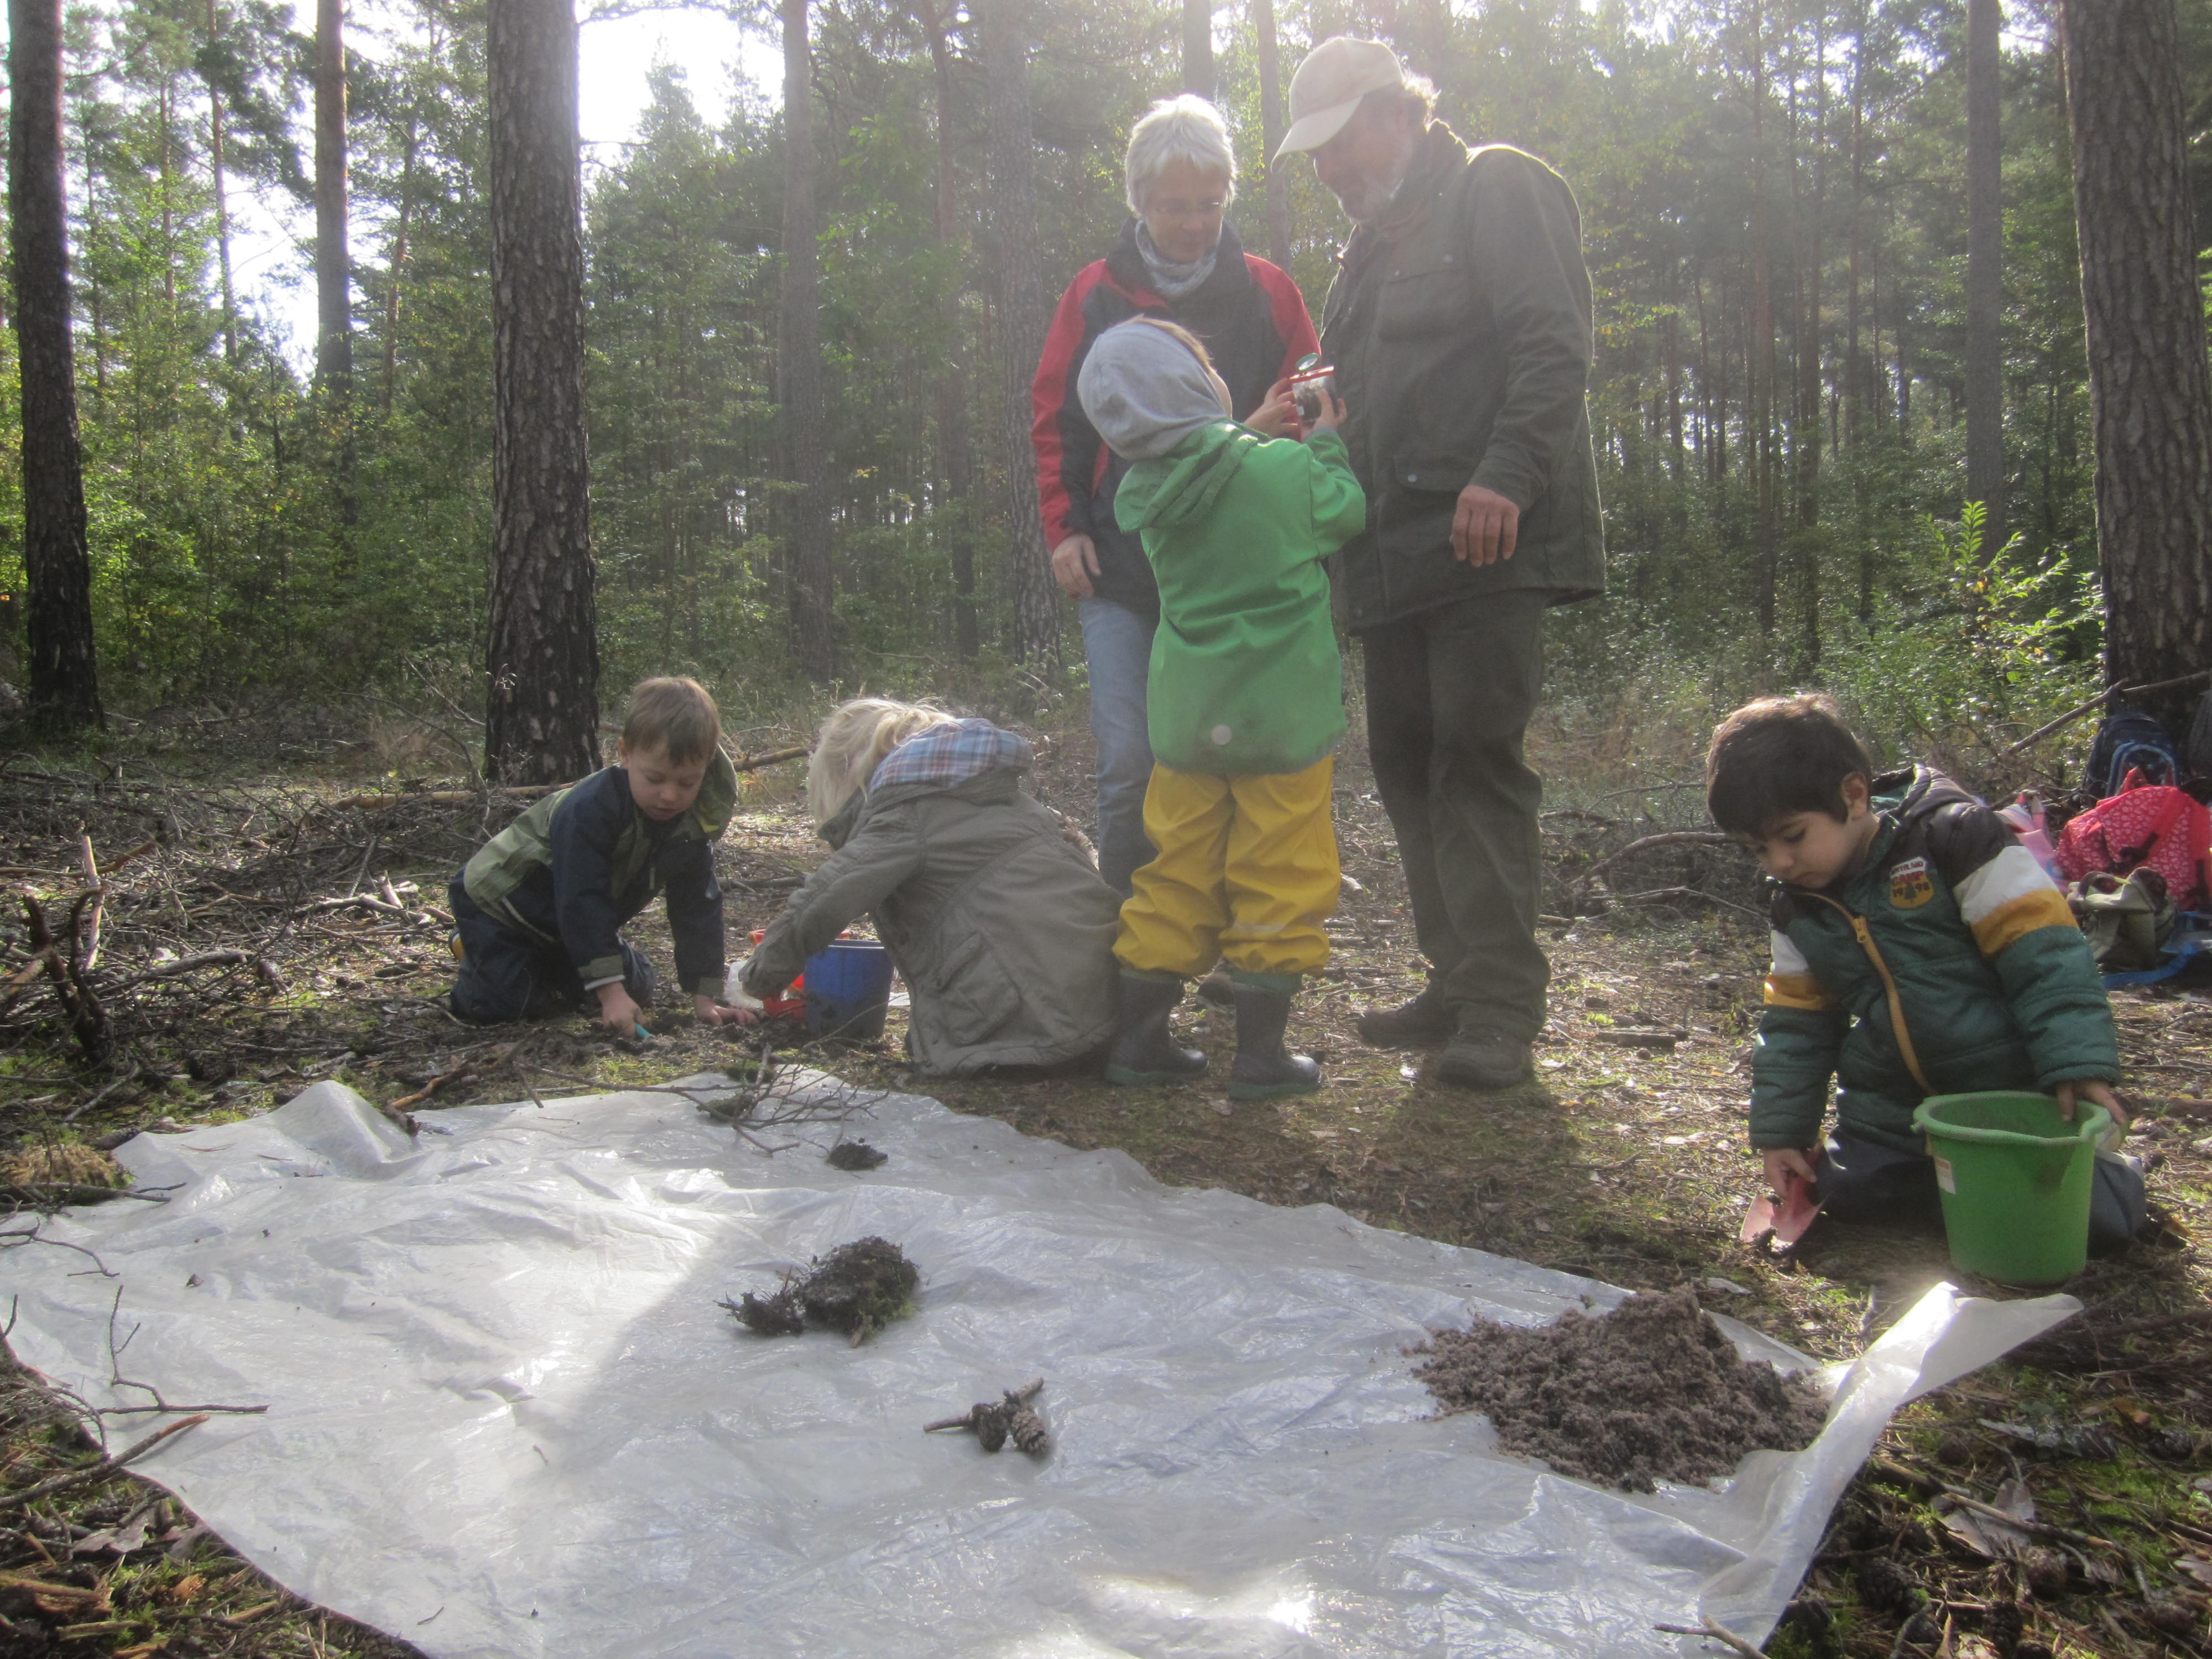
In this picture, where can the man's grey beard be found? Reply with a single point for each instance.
(1373, 198)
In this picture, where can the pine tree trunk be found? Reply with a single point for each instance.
(1759, 346)
(63, 692)
(951, 414)
(1198, 48)
(1021, 321)
(215, 137)
(2150, 390)
(1985, 464)
(333, 305)
(396, 267)
(1854, 373)
(798, 367)
(544, 724)
(1271, 131)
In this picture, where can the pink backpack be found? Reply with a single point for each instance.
(2155, 825)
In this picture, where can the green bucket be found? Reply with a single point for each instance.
(2015, 1179)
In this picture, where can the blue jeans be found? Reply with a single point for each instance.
(1118, 643)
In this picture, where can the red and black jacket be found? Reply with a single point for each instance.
(1254, 322)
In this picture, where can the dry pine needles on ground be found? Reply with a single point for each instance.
(1649, 1391)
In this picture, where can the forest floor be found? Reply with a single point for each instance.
(258, 930)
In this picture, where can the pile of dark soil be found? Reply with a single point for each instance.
(1651, 1391)
(857, 1288)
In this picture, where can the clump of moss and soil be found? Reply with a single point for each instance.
(1649, 1391)
(247, 947)
(857, 1289)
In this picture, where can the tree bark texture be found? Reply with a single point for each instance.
(799, 367)
(64, 683)
(543, 718)
(1985, 461)
(334, 272)
(2150, 390)
(1022, 321)
(1198, 48)
(1271, 130)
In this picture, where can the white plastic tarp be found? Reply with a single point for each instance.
(506, 1417)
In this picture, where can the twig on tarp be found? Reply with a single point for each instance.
(1010, 1417)
(106, 1466)
(1713, 1631)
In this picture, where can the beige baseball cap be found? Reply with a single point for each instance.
(1328, 86)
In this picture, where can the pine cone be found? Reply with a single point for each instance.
(1028, 1432)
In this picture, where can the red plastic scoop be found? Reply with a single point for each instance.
(1787, 1220)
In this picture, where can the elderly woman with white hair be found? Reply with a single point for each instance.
(1177, 258)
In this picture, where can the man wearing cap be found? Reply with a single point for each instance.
(1460, 327)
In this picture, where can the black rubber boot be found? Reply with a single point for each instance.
(1426, 1022)
(1144, 1049)
(1264, 1067)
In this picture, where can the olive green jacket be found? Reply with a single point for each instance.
(1002, 930)
(1460, 327)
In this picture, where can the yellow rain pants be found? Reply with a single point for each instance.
(1246, 873)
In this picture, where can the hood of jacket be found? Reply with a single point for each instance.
(1144, 391)
(1183, 485)
(972, 759)
(1911, 792)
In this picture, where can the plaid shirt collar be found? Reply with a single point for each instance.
(953, 754)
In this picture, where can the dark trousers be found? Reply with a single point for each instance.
(1449, 696)
(1862, 1180)
(506, 975)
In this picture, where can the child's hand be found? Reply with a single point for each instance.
(2090, 1089)
(1332, 411)
(711, 1013)
(1278, 414)
(618, 1010)
(1783, 1161)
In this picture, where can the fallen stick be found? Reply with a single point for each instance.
(91, 868)
(1713, 1631)
(224, 958)
(535, 790)
(2105, 696)
(1652, 844)
(93, 1471)
(1659, 893)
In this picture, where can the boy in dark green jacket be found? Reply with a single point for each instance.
(1918, 950)
(537, 909)
(1244, 701)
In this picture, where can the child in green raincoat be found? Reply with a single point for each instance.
(1244, 698)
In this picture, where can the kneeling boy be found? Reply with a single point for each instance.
(538, 906)
(1918, 950)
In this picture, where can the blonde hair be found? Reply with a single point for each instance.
(674, 715)
(853, 743)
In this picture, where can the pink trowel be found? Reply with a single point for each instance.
(1787, 1220)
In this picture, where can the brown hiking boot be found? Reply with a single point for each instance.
(1479, 1059)
(1424, 1022)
